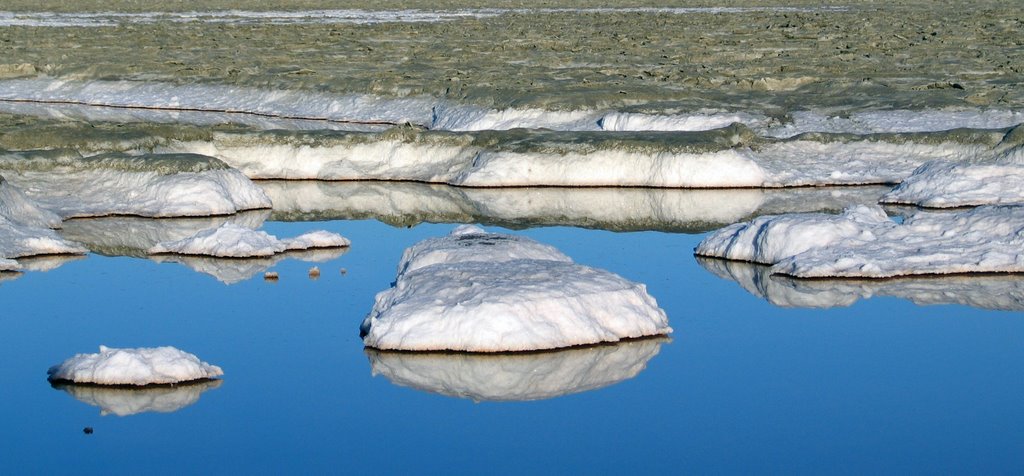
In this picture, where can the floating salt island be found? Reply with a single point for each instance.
(235, 241)
(863, 242)
(488, 292)
(141, 366)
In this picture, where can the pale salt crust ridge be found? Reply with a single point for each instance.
(516, 377)
(123, 401)
(998, 292)
(234, 241)
(440, 114)
(161, 185)
(18, 241)
(472, 291)
(141, 366)
(864, 242)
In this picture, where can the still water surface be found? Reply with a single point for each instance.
(742, 385)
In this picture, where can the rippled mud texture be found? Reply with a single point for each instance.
(909, 55)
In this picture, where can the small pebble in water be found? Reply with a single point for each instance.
(314, 272)
(270, 276)
(87, 430)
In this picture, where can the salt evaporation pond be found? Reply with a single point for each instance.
(137, 139)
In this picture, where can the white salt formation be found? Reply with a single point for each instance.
(519, 376)
(233, 241)
(235, 270)
(25, 229)
(162, 185)
(142, 366)
(946, 184)
(486, 292)
(125, 401)
(864, 242)
(1003, 292)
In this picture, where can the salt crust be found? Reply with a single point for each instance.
(141, 366)
(155, 185)
(946, 184)
(486, 292)
(122, 401)
(234, 241)
(864, 242)
(519, 376)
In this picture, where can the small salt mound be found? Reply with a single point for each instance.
(122, 401)
(516, 377)
(234, 241)
(142, 366)
(469, 243)
(863, 242)
(316, 239)
(944, 184)
(471, 291)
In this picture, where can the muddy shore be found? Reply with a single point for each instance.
(909, 55)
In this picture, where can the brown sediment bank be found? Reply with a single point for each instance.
(907, 55)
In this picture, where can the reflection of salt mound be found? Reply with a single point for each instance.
(142, 366)
(863, 242)
(133, 236)
(518, 376)
(999, 292)
(164, 185)
(233, 241)
(485, 292)
(678, 210)
(124, 401)
(235, 270)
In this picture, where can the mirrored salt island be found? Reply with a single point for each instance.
(125, 401)
(475, 291)
(516, 376)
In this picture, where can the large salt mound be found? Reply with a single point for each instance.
(864, 242)
(518, 376)
(124, 401)
(155, 185)
(234, 241)
(142, 366)
(482, 292)
(25, 229)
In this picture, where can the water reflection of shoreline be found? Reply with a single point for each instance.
(1003, 292)
(616, 209)
(124, 401)
(517, 376)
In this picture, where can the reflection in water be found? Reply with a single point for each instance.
(516, 376)
(47, 262)
(132, 236)
(235, 270)
(617, 209)
(987, 291)
(124, 401)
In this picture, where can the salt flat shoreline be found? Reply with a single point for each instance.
(910, 55)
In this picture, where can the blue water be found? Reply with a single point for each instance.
(744, 386)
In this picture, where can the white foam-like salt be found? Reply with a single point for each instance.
(864, 242)
(947, 184)
(495, 301)
(233, 241)
(141, 366)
